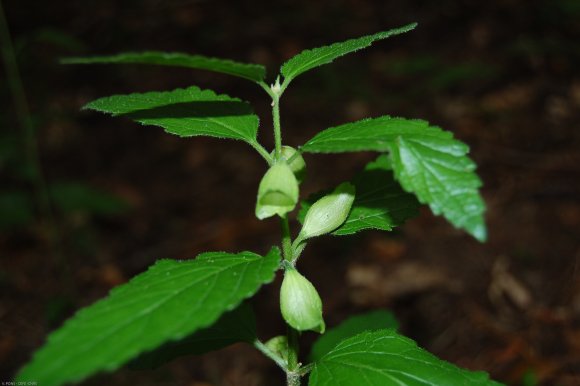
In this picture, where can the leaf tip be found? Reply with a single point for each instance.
(480, 232)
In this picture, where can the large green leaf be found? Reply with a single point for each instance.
(238, 325)
(388, 359)
(380, 203)
(374, 320)
(186, 112)
(168, 302)
(255, 72)
(309, 59)
(426, 160)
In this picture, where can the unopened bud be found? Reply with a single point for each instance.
(328, 213)
(295, 161)
(300, 303)
(278, 192)
(276, 88)
(279, 346)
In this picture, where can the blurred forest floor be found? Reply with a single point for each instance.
(502, 75)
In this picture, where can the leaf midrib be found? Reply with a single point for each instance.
(141, 314)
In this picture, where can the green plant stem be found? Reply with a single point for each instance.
(284, 84)
(266, 88)
(292, 370)
(293, 374)
(303, 370)
(276, 117)
(270, 354)
(277, 129)
(263, 152)
(22, 111)
(297, 248)
(286, 239)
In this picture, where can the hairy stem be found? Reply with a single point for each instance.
(292, 374)
(270, 354)
(292, 378)
(297, 248)
(277, 130)
(263, 152)
(275, 93)
(266, 88)
(286, 239)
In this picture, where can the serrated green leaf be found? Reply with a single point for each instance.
(186, 112)
(168, 302)
(380, 203)
(427, 161)
(376, 134)
(309, 59)
(388, 359)
(238, 325)
(374, 320)
(254, 72)
(443, 177)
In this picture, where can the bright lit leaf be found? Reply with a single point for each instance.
(170, 301)
(309, 59)
(238, 325)
(386, 358)
(254, 72)
(185, 112)
(374, 320)
(426, 160)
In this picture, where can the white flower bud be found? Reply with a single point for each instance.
(300, 303)
(278, 192)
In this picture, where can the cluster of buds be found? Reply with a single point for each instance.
(278, 195)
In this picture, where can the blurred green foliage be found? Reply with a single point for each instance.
(74, 197)
(430, 72)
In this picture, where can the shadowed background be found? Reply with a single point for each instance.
(502, 75)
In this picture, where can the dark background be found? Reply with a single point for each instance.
(501, 74)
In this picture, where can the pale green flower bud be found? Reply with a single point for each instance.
(278, 192)
(295, 161)
(279, 346)
(300, 303)
(328, 213)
